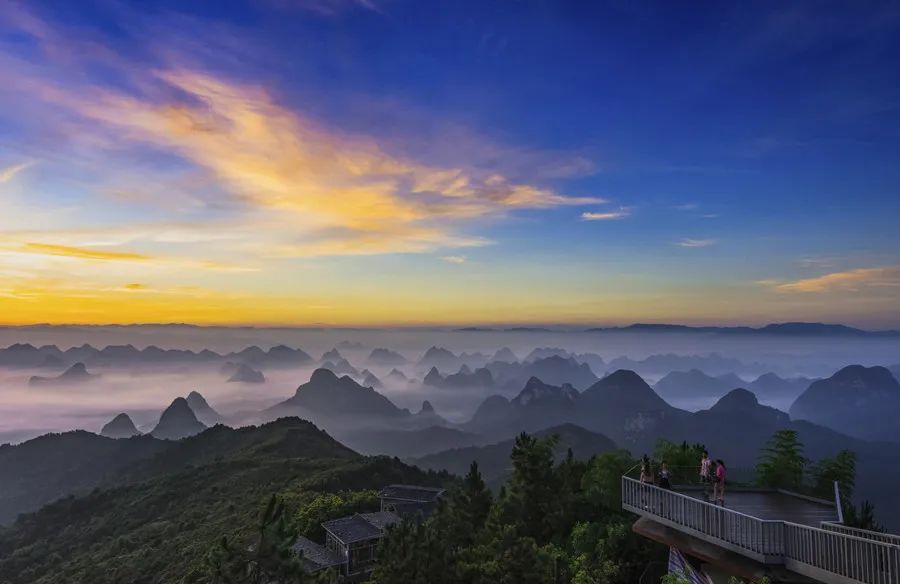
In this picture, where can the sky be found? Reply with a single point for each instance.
(393, 162)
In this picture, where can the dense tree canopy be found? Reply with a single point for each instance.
(550, 523)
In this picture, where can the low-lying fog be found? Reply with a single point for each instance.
(143, 391)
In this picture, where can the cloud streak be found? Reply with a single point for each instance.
(848, 281)
(695, 243)
(10, 172)
(344, 193)
(80, 252)
(605, 215)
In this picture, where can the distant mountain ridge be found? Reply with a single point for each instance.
(28, 355)
(780, 329)
(75, 374)
(493, 459)
(858, 401)
(177, 421)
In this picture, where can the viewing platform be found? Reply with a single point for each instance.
(785, 536)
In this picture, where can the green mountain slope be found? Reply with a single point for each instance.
(158, 526)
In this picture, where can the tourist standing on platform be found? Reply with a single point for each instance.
(721, 474)
(646, 479)
(665, 477)
(705, 476)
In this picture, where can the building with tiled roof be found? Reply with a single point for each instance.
(351, 542)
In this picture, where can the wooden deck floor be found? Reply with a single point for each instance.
(775, 505)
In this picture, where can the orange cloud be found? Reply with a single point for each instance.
(7, 174)
(848, 281)
(80, 252)
(273, 162)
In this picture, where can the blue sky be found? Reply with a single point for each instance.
(393, 162)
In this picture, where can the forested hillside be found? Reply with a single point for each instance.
(162, 528)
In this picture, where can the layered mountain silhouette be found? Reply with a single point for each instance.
(409, 443)
(505, 355)
(333, 397)
(859, 401)
(592, 360)
(770, 387)
(537, 406)
(465, 377)
(203, 410)
(681, 385)
(742, 402)
(895, 371)
(120, 427)
(397, 376)
(332, 355)
(793, 329)
(51, 466)
(282, 355)
(340, 367)
(386, 358)
(544, 352)
(177, 421)
(662, 364)
(75, 374)
(554, 370)
(369, 379)
(246, 374)
(493, 459)
(440, 358)
(26, 355)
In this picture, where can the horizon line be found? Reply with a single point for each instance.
(462, 327)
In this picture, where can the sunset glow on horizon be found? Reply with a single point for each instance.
(329, 163)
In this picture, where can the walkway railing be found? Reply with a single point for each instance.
(832, 556)
(831, 553)
(888, 538)
(758, 538)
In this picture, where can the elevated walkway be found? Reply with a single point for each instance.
(775, 529)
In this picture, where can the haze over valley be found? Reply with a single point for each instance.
(424, 394)
(449, 292)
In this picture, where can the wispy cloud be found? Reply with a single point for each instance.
(8, 173)
(847, 281)
(695, 242)
(345, 193)
(686, 207)
(621, 213)
(80, 252)
(455, 259)
(330, 7)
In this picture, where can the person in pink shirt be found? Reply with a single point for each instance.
(719, 489)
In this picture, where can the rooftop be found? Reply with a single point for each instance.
(315, 557)
(381, 519)
(360, 527)
(411, 493)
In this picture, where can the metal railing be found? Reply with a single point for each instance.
(888, 538)
(758, 538)
(832, 553)
(823, 554)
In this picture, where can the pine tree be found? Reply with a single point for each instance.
(468, 509)
(840, 468)
(782, 463)
(532, 489)
(268, 559)
(862, 517)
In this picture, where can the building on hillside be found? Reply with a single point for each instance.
(409, 500)
(351, 542)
